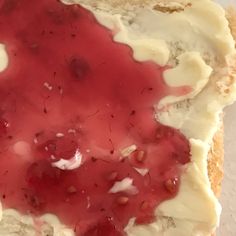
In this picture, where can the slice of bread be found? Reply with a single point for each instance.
(184, 34)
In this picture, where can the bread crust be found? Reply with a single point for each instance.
(215, 161)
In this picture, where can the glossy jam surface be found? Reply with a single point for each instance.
(69, 91)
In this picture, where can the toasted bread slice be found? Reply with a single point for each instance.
(197, 59)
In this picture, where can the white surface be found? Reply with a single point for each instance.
(228, 219)
(228, 197)
(226, 2)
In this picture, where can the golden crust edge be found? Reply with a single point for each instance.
(215, 161)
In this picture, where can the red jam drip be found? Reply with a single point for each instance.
(69, 88)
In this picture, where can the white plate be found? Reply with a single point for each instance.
(228, 197)
(226, 3)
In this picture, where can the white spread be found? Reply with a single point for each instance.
(3, 58)
(142, 171)
(71, 164)
(194, 42)
(125, 185)
(192, 71)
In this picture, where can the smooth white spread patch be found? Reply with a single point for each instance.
(191, 71)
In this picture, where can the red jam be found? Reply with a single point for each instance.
(69, 88)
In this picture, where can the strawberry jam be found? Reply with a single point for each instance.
(72, 102)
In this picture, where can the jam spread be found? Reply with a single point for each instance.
(77, 120)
